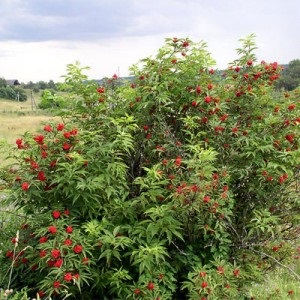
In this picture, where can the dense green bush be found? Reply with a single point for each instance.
(180, 185)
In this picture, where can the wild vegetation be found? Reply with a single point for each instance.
(183, 184)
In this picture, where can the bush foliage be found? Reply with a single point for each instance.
(179, 185)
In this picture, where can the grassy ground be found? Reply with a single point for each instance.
(18, 117)
(14, 125)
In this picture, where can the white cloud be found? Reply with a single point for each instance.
(48, 60)
(39, 38)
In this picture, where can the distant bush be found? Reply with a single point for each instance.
(3, 93)
(22, 94)
(12, 93)
(2, 82)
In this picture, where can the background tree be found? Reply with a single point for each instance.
(42, 85)
(29, 85)
(2, 83)
(51, 85)
(290, 76)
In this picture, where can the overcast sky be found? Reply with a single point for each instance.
(38, 38)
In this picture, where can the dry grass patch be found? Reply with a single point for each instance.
(16, 118)
(14, 126)
(9, 106)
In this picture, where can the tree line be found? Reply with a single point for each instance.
(288, 81)
(290, 76)
(18, 93)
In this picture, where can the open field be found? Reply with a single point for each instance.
(13, 125)
(18, 117)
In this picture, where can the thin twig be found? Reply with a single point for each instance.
(180, 251)
(14, 259)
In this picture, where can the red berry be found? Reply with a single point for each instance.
(56, 284)
(207, 99)
(206, 199)
(69, 229)
(202, 274)
(198, 89)
(150, 286)
(25, 186)
(236, 272)
(77, 249)
(68, 277)
(56, 214)
(137, 291)
(41, 294)
(52, 229)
